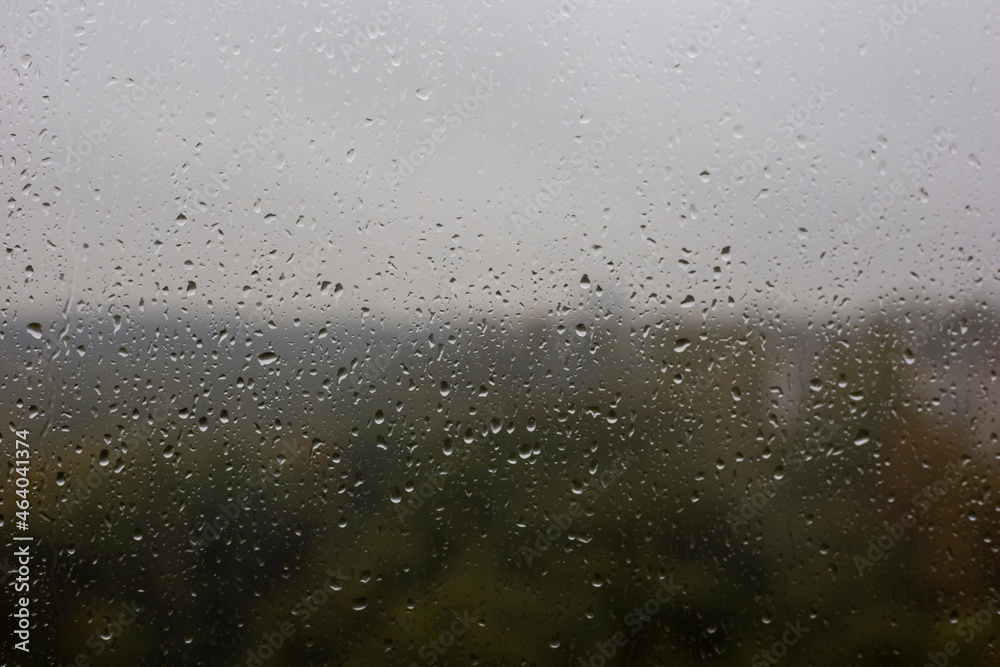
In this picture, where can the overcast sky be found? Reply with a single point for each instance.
(634, 115)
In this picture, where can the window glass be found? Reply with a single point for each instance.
(499, 332)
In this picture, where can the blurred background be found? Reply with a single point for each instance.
(502, 332)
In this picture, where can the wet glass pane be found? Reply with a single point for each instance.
(499, 333)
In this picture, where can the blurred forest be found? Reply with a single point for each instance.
(500, 491)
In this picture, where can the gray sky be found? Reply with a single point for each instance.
(686, 107)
